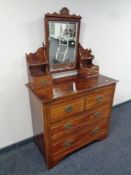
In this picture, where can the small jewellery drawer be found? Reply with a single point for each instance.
(69, 126)
(42, 81)
(99, 97)
(82, 137)
(63, 110)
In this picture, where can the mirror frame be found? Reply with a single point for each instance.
(63, 16)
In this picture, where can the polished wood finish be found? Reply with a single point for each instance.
(37, 66)
(86, 67)
(64, 13)
(67, 112)
(99, 97)
(75, 114)
(79, 121)
(63, 146)
(59, 111)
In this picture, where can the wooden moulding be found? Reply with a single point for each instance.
(64, 13)
(38, 72)
(86, 67)
(37, 58)
(89, 71)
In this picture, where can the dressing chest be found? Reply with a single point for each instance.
(70, 111)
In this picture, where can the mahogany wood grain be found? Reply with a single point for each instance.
(77, 86)
(82, 119)
(37, 121)
(79, 121)
(99, 97)
(68, 112)
(67, 144)
(66, 109)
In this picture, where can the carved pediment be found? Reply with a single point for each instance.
(64, 12)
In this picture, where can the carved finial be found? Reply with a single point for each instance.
(64, 11)
(85, 53)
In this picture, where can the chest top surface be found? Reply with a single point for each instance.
(71, 86)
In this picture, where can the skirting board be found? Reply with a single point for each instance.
(120, 104)
(29, 140)
(16, 145)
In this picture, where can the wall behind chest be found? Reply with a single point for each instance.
(105, 28)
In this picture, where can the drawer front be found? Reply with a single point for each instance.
(42, 81)
(69, 126)
(86, 135)
(99, 97)
(63, 110)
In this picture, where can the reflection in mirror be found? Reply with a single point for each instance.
(62, 45)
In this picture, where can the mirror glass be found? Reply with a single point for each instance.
(62, 45)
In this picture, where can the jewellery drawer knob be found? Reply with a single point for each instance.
(68, 126)
(95, 131)
(97, 114)
(68, 144)
(68, 108)
(99, 99)
(44, 82)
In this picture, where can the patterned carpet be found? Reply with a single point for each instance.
(111, 156)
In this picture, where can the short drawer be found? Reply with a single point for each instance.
(86, 119)
(66, 109)
(99, 97)
(84, 136)
(41, 81)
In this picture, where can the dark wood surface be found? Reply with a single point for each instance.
(68, 112)
(70, 86)
(64, 13)
(71, 114)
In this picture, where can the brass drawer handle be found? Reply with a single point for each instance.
(68, 126)
(68, 108)
(44, 82)
(99, 99)
(68, 144)
(97, 114)
(95, 131)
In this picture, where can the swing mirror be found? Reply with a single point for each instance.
(62, 38)
(62, 45)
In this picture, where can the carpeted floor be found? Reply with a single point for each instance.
(111, 156)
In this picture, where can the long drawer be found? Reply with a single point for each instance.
(99, 97)
(66, 109)
(86, 135)
(80, 121)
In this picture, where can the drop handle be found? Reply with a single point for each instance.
(97, 114)
(68, 126)
(95, 131)
(99, 99)
(68, 144)
(68, 108)
(44, 82)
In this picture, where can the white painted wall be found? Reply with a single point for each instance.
(106, 28)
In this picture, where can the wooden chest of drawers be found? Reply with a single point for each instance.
(77, 113)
